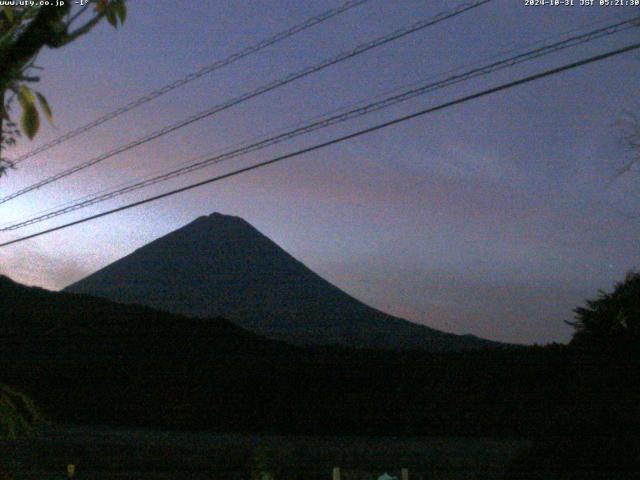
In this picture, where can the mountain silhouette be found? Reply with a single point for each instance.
(220, 265)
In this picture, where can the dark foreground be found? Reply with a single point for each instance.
(101, 453)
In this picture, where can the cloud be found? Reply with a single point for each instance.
(32, 266)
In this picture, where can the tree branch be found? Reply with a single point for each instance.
(78, 14)
(45, 29)
(86, 28)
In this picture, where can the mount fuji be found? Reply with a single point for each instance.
(220, 265)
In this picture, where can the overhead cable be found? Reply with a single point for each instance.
(259, 91)
(331, 120)
(442, 106)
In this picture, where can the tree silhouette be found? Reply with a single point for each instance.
(613, 319)
(24, 31)
(594, 420)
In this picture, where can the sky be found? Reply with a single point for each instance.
(496, 217)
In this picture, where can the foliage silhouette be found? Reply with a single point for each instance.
(613, 319)
(24, 31)
(210, 374)
(18, 414)
(593, 432)
(126, 365)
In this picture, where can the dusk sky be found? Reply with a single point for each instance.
(495, 217)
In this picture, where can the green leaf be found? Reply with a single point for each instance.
(44, 106)
(30, 120)
(8, 12)
(111, 17)
(17, 413)
(121, 10)
(25, 95)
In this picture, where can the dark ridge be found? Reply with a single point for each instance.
(92, 361)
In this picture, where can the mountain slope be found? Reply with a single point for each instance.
(222, 266)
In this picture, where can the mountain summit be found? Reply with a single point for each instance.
(220, 265)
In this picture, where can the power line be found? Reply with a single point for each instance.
(343, 108)
(330, 120)
(308, 23)
(362, 48)
(442, 106)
